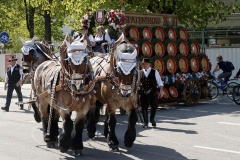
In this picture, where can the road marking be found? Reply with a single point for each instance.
(201, 111)
(185, 109)
(217, 149)
(236, 124)
(167, 117)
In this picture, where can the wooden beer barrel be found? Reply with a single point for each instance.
(160, 33)
(172, 48)
(134, 33)
(147, 49)
(205, 64)
(183, 64)
(194, 64)
(159, 49)
(172, 34)
(165, 93)
(173, 92)
(183, 34)
(147, 33)
(184, 48)
(171, 65)
(159, 65)
(136, 46)
(195, 49)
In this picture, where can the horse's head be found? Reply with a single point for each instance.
(126, 67)
(29, 55)
(78, 65)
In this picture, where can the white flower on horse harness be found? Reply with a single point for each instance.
(28, 45)
(76, 51)
(127, 61)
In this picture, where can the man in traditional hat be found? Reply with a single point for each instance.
(13, 80)
(151, 91)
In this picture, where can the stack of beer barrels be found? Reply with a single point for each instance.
(172, 53)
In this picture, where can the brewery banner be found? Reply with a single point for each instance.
(150, 19)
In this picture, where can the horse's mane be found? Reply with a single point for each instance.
(41, 48)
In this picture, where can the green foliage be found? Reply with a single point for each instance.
(195, 13)
(2, 79)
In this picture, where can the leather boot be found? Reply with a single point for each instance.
(152, 116)
(145, 117)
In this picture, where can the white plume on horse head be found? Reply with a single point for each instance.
(76, 45)
(132, 55)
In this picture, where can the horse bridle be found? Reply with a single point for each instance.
(124, 90)
(78, 79)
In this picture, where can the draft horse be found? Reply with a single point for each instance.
(34, 53)
(117, 80)
(63, 87)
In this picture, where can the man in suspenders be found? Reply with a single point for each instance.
(13, 81)
(151, 90)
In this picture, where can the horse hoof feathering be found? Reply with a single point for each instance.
(77, 153)
(113, 148)
(50, 144)
(91, 135)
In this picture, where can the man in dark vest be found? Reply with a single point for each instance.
(13, 80)
(151, 91)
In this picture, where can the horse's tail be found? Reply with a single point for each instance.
(99, 107)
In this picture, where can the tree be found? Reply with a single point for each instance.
(53, 13)
(198, 13)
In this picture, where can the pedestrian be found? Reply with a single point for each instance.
(13, 80)
(226, 74)
(102, 40)
(151, 90)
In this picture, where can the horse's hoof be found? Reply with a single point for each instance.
(145, 126)
(50, 144)
(62, 149)
(128, 145)
(91, 135)
(37, 118)
(77, 153)
(113, 148)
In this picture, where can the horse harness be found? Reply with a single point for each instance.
(65, 82)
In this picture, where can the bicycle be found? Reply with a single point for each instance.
(214, 85)
(236, 94)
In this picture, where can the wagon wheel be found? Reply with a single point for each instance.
(191, 92)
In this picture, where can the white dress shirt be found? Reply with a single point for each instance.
(12, 67)
(107, 38)
(157, 76)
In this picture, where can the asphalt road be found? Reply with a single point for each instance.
(208, 131)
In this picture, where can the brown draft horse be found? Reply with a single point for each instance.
(34, 53)
(63, 87)
(118, 78)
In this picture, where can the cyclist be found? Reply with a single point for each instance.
(225, 74)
